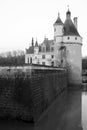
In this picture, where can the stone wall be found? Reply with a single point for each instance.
(26, 95)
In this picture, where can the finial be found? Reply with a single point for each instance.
(68, 7)
(58, 14)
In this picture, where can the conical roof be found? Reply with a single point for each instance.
(69, 27)
(36, 44)
(58, 21)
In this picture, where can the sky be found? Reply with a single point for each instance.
(20, 20)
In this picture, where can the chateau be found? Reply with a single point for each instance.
(62, 51)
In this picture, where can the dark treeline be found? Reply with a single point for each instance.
(12, 58)
(84, 63)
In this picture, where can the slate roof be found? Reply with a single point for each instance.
(58, 21)
(47, 43)
(30, 50)
(69, 28)
(36, 44)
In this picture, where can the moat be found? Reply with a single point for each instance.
(68, 112)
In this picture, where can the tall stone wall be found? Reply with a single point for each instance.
(26, 95)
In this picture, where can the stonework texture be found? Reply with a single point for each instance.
(26, 96)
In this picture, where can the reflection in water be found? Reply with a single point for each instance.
(84, 108)
(66, 114)
(69, 112)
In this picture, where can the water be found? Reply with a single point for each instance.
(68, 112)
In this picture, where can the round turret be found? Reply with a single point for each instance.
(58, 29)
(73, 42)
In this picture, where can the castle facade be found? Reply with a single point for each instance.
(63, 51)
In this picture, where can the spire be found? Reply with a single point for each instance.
(58, 15)
(36, 43)
(68, 7)
(32, 42)
(58, 21)
(69, 26)
(68, 13)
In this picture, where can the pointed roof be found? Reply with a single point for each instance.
(32, 42)
(36, 44)
(58, 21)
(69, 27)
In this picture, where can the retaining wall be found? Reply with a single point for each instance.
(26, 95)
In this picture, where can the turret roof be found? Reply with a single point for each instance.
(58, 21)
(69, 27)
(36, 44)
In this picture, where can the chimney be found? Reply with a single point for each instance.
(75, 22)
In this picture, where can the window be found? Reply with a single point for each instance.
(31, 60)
(52, 56)
(52, 49)
(43, 63)
(43, 56)
(54, 29)
(68, 38)
(61, 61)
(28, 60)
(75, 38)
(52, 63)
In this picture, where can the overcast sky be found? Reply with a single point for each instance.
(20, 20)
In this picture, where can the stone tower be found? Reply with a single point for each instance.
(58, 38)
(66, 35)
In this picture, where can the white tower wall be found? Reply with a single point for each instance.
(72, 39)
(74, 62)
(58, 38)
(58, 30)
